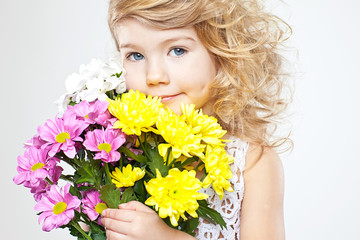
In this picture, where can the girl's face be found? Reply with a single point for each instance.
(172, 64)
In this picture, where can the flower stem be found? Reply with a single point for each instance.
(68, 178)
(203, 176)
(76, 225)
(143, 148)
(107, 172)
(150, 174)
(167, 160)
(168, 156)
(49, 181)
(197, 166)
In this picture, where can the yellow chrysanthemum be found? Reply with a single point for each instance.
(127, 177)
(178, 136)
(175, 194)
(135, 112)
(217, 165)
(203, 125)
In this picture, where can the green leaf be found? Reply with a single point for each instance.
(210, 214)
(188, 161)
(86, 174)
(128, 195)
(189, 226)
(139, 189)
(156, 161)
(110, 195)
(97, 231)
(74, 232)
(95, 228)
(99, 236)
(139, 158)
(84, 188)
(75, 192)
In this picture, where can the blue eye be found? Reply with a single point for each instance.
(136, 56)
(175, 52)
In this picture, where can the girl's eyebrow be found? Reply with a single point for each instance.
(127, 45)
(131, 45)
(178, 39)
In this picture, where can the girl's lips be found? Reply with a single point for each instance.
(165, 98)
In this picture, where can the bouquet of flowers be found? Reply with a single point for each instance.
(122, 146)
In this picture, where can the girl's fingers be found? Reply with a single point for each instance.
(111, 235)
(119, 214)
(120, 227)
(137, 206)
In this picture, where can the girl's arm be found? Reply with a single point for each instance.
(136, 221)
(262, 214)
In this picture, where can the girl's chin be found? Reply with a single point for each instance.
(175, 109)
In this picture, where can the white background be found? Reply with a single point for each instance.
(44, 41)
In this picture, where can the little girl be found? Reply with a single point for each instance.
(222, 56)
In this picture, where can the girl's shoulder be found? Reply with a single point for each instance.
(263, 195)
(262, 161)
(254, 159)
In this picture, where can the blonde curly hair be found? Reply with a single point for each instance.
(245, 40)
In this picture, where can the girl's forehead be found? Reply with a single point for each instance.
(133, 30)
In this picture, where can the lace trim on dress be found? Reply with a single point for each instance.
(230, 206)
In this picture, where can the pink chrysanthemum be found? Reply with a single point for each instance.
(54, 175)
(93, 112)
(57, 206)
(101, 114)
(93, 205)
(61, 134)
(105, 143)
(39, 190)
(35, 141)
(34, 166)
(81, 111)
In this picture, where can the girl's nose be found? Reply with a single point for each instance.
(156, 73)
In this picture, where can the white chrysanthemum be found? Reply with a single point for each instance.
(93, 81)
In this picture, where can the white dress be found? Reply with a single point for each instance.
(229, 207)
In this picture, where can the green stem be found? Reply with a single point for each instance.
(203, 176)
(150, 174)
(121, 161)
(172, 162)
(112, 96)
(68, 178)
(107, 172)
(199, 164)
(49, 181)
(143, 148)
(187, 162)
(168, 156)
(76, 225)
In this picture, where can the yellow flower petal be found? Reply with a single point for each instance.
(127, 177)
(178, 134)
(135, 112)
(217, 165)
(206, 127)
(175, 194)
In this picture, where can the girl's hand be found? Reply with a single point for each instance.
(135, 221)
